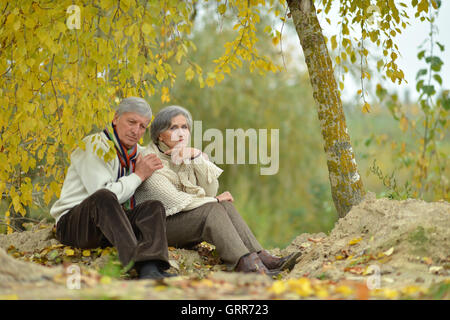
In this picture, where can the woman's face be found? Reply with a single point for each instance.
(178, 132)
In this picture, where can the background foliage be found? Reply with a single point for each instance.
(58, 85)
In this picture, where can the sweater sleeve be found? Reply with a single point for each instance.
(158, 187)
(96, 174)
(207, 174)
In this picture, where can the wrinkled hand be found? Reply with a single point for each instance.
(226, 196)
(146, 165)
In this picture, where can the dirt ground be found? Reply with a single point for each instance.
(382, 249)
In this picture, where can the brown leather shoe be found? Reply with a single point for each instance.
(275, 263)
(252, 263)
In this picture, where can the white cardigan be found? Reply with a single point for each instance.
(180, 187)
(88, 173)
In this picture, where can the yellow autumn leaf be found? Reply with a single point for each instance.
(189, 74)
(9, 297)
(389, 252)
(275, 40)
(301, 286)
(105, 280)
(321, 292)
(344, 290)
(278, 287)
(160, 288)
(222, 9)
(354, 241)
(86, 253)
(165, 97)
(390, 293)
(404, 124)
(366, 108)
(146, 28)
(69, 252)
(210, 82)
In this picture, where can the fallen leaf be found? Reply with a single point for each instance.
(427, 260)
(389, 251)
(388, 280)
(69, 252)
(52, 255)
(354, 241)
(86, 253)
(321, 292)
(345, 290)
(390, 293)
(410, 290)
(305, 245)
(105, 280)
(160, 288)
(316, 240)
(356, 270)
(9, 297)
(435, 269)
(278, 287)
(301, 286)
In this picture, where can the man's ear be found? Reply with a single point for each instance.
(114, 121)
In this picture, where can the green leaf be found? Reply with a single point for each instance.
(429, 90)
(441, 46)
(419, 85)
(421, 72)
(421, 54)
(436, 63)
(438, 78)
(446, 103)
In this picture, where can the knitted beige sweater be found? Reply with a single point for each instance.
(179, 187)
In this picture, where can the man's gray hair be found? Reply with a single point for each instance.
(163, 120)
(134, 104)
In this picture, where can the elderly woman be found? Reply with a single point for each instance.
(187, 187)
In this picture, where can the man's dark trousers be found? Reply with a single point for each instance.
(138, 234)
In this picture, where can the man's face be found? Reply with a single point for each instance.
(130, 128)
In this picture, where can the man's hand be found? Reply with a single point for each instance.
(226, 196)
(146, 165)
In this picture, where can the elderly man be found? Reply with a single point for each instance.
(97, 206)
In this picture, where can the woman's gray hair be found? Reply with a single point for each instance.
(163, 120)
(134, 104)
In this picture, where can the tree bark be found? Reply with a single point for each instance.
(346, 184)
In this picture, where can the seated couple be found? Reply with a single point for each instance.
(147, 199)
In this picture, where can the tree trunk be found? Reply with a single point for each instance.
(346, 184)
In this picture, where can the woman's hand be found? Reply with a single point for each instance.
(226, 196)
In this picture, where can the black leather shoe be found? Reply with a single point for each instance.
(290, 261)
(167, 274)
(151, 270)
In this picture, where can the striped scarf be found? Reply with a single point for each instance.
(127, 159)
